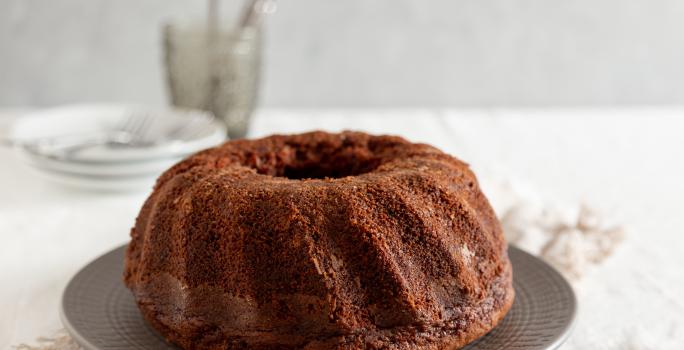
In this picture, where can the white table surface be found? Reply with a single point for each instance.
(628, 163)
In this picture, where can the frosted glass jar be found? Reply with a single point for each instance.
(215, 70)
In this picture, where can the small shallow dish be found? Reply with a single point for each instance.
(172, 135)
(100, 313)
(150, 168)
(83, 120)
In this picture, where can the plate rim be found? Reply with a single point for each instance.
(563, 336)
(71, 330)
(557, 342)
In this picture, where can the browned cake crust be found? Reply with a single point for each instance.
(319, 241)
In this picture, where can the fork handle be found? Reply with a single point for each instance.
(52, 141)
(66, 151)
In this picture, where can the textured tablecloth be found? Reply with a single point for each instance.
(627, 163)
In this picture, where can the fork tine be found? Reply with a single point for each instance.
(127, 124)
(149, 120)
(140, 128)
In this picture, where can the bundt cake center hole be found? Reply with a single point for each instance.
(326, 170)
(319, 164)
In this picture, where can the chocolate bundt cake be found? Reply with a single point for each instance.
(319, 241)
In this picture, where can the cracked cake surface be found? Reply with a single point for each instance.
(319, 241)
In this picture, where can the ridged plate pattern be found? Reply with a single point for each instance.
(100, 313)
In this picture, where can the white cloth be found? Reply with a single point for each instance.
(626, 163)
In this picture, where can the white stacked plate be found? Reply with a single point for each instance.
(66, 144)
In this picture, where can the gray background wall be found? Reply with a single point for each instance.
(355, 53)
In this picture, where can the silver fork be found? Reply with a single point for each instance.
(131, 132)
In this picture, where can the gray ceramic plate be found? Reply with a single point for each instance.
(100, 313)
